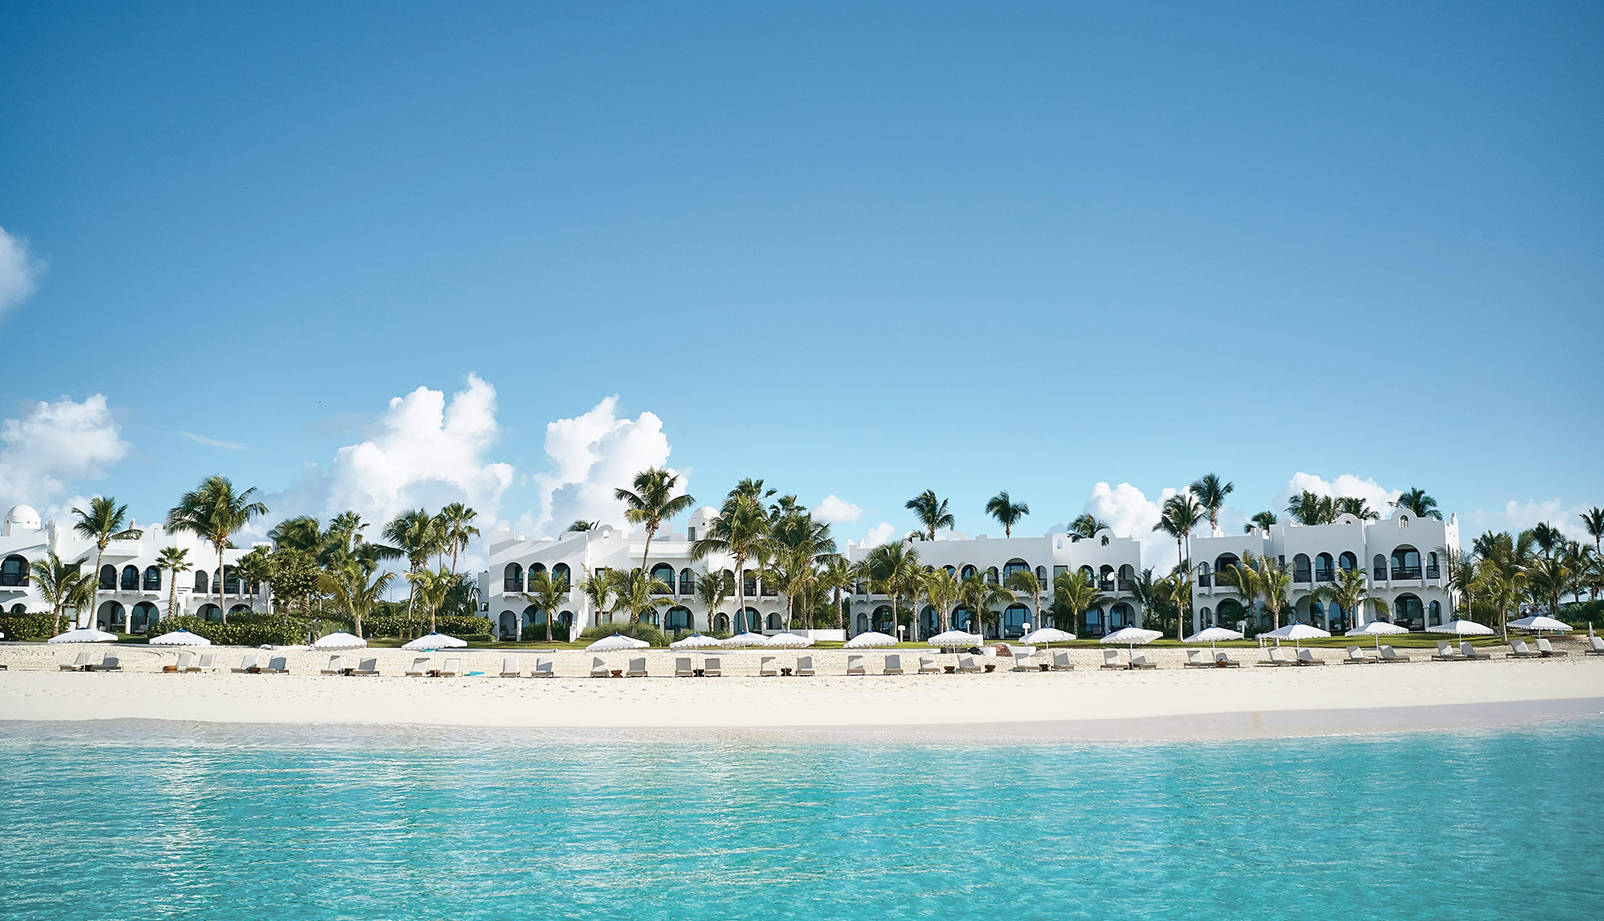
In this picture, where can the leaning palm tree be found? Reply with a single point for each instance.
(893, 571)
(931, 512)
(1006, 511)
(215, 512)
(1259, 522)
(1181, 515)
(103, 523)
(61, 586)
(356, 586)
(982, 597)
(1416, 500)
(432, 587)
(547, 594)
(712, 590)
(651, 503)
(941, 587)
(1075, 594)
(418, 535)
(175, 560)
(1025, 582)
(1350, 590)
(1087, 525)
(457, 526)
(1211, 491)
(741, 530)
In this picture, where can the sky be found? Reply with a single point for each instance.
(382, 256)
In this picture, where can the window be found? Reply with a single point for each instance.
(991, 575)
(677, 618)
(512, 578)
(1300, 568)
(687, 582)
(1105, 579)
(1121, 615)
(748, 583)
(153, 579)
(1433, 571)
(1204, 579)
(1014, 620)
(1127, 578)
(664, 573)
(1406, 563)
(1013, 566)
(774, 620)
(1323, 568)
(1348, 562)
(14, 572)
(1436, 614)
(1378, 568)
(200, 583)
(1403, 521)
(536, 567)
(562, 574)
(968, 572)
(108, 578)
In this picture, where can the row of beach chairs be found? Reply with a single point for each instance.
(108, 663)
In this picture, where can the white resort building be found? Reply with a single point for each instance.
(134, 590)
(1403, 555)
(1111, 561)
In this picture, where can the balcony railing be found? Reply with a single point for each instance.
(13, 580)
(1126, 585)
(687, 587)
(1105, 585)
(1433, 572)
(1323, 575)
(512, 585)
(1205, 580)
(1380, 574)
(1406, 572)
(1301, 575)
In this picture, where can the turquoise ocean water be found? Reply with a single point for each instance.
(149, 820)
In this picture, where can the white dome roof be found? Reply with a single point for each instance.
(23, 515)
(706, 511)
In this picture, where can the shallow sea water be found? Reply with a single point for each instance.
(126, 820)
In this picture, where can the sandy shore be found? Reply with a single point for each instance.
(1170, 702)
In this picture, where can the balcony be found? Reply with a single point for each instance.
(1105, 585)
(512, 586)
(1433, 572)
(687, 587)
(1380, 574)
(1406, 572)
(13, 580)
(1301, 576)
(1126, 585)
(1205, 580)
(1324, 575)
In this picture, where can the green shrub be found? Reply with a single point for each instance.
(30, 626)
(641, 631)
(259, 630)
(400, 625)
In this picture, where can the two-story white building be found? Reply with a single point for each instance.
(1402, 555)
(134, 588)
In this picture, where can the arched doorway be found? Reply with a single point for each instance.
(144, 617)
(677, 618)
(210, 613)
(14, 572)
(1121, 615)
(882, 620)
(929, 622)
(1094, 622)
(721, 623)
(112, 618)
(507, 627)
(1408, 612)
(748, 620)
(239, 609)
(1014, 618)
(961, 619)
(1230, 613)
(863, 623)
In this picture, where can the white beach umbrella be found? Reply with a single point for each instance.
(745, 639)
(83, 635)
(870, 640)
(1296, 632)
(1460, 627)
(955, 638)
(616, 641)
(1377, 629)
(341, 640)
(434, 641)
(788, 641)
(180, 638)
(1212, 635)
(1130, 638)
(1540, 623)
(1047, 636)
(696, 641)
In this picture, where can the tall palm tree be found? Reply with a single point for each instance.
(1025, 582)
(301, 533)
(639, 594)
(893, 571)
(599, 589)
(1087, 525)
(356, 585)
(1350, 589)
(103, 523)
(547, 594)
(795, 546)
(1548, 538)
(175, 560)
(982, 597)
(214, 512)
(712, 590)
(941, 587)
(418, 535)
(1593, 520)
(581, 524)
(1176, 588)
(1548, 578)
(1308, 508)
(651, 503)
(836, 575)
(1416, 500)
(741, 530)
(1243, 576)
(1358, 508)
(1211, 491)
(931, 512)
(1461, 575)
(1275, 581)
(253, 568)
(431, 587)
(1262, 521)
(1181, 515)
(62, 586)
(457, 524)
(1006, 511)
(1074, 594)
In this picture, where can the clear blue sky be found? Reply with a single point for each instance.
(859, 249)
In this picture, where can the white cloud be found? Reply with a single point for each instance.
(56, 443)
(1130, 513)
(591, 455)
(1518, 516)
(879, 534)
(836, 510)
(213, 442)
(19, 271)
(1378, 497)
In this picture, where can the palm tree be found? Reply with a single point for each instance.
(942, 588)
(302, 533)
(638, 593)
(1593, 520)
(1275, 581)
(598, 589)
(1461, 575)
(1260, 522)
(931, 512)
(215, 512)
(418, 535)
(1006, 511)
(253, 568)
(795, 545)
(1211, 493)
(1087, 525)
(1308, 508)
(982, 597)
(712, 590)
(837, 575)
(1416, 500)
(431, 588)
(103, 523)
(1358, 508)
(1075, 595)
(1176, 588)
(1182, 514)
(740, 530)
(581, 524)
(456, 523)
(62, 586)
(651, 503)
(893, 571)
(1025, 582)
(1548, 538)
(547, 594)
(1244, 577)
(1350, 589)
(1547, 579)
(175, 560)
(356, 585)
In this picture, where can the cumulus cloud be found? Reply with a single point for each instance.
(1130, 513)
(1518, 516)
(879, 534)
(836, 510)
(590, 456)
(1377, 496)
(54, 444)
(19, 271)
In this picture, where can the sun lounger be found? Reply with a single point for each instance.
(511, 667)
(1222, 659)
(80, 664)
(1194, 659)
(247, 665)
(967, 664)
(767, 667)
(928, 666)
(184, 659)
(1276, 658)
(108, 663)
(1388, 654)
(336, 666)
(893, 665)
(637, 668)
(1140, 661)
(1111, 659)
(1469, 652)
(682, 667)
(804, 665)
(1547, 650)
(1446, 652)
(544, 668)
(1022, 663)
(599, 668)
(855, 665)
(208, 663)
(452, 669)
(1061, 662)
(712, 668)
(419, 669)
(367, 668)
(277, 665)
(1356, 656)
(1596, 645)
(1519, 650)
(1306, 657)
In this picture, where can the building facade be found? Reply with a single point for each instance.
(134, 589)
(1403, 556)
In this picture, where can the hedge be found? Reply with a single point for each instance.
(640, 631)
(398, 625)
(31, 626)
(256, 631)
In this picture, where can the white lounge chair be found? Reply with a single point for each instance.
(184, 661)
(208, 663)
(1022, 663)
(1111, 659)
(804, 666)
(682, 668)
(247, 665)
(336, 666)
(1547, 650)
(368, 668)
(967, 664)
(1276, 658)
(1469, 652)
(1446, 652)
(637, 668)
(1519, 650)
(893, 665)
(452, 668)
(768, 667)
(928, 666)
(1140, 661)
(1388, 654)
(1223, 659)
(80, 664)
(712, 668)
(108, 663)
(1061, 662)
(1356, 656)
(419, 669)
(544, 668)
(511, 667)
(277, 665)
(1306, 657)
(1195, 659)
(599, 668)
(855, 665)
(1596, 646)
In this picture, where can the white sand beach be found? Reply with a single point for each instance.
(1090, 703)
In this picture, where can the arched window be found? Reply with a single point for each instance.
(239, 609)
(1317, 614)
(211, 613)
(153, 579)
(1013, 566)
(1094, 622)
(721, 623)
(1406, 563)
(507, 625)
(748, 583)
(687, 582)
(863, 623)
(1088, 575)
(1322, 568)
(1300, 568)
(967, 572)
(1208, 617)
(1432, 569)
(774, 620)
(1336, 618)
(677, 618)
(882, 620)
(1127, 578)
(748, 620)
(143, 618)
(1225, 561)
(1105, 579)
(113, 618)
(950, 570)
(534, 617)
(1041, 575)
(1015, 617)
(1230, 613)
(561, 573)
(14, 572)
(1348, 561)
(200, 582)
(1408, 612)
(1378, 567)
(991, 575)
(536, 567)
(1435, 618)
(1403, 521)
(1204, 579)
(230, 584)
(1121, 615)
(512, 578)
(929, 622)
(19, 608)
(108, 578)
(665, 574)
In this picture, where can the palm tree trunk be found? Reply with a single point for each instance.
(222, 574)
(94, 598)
